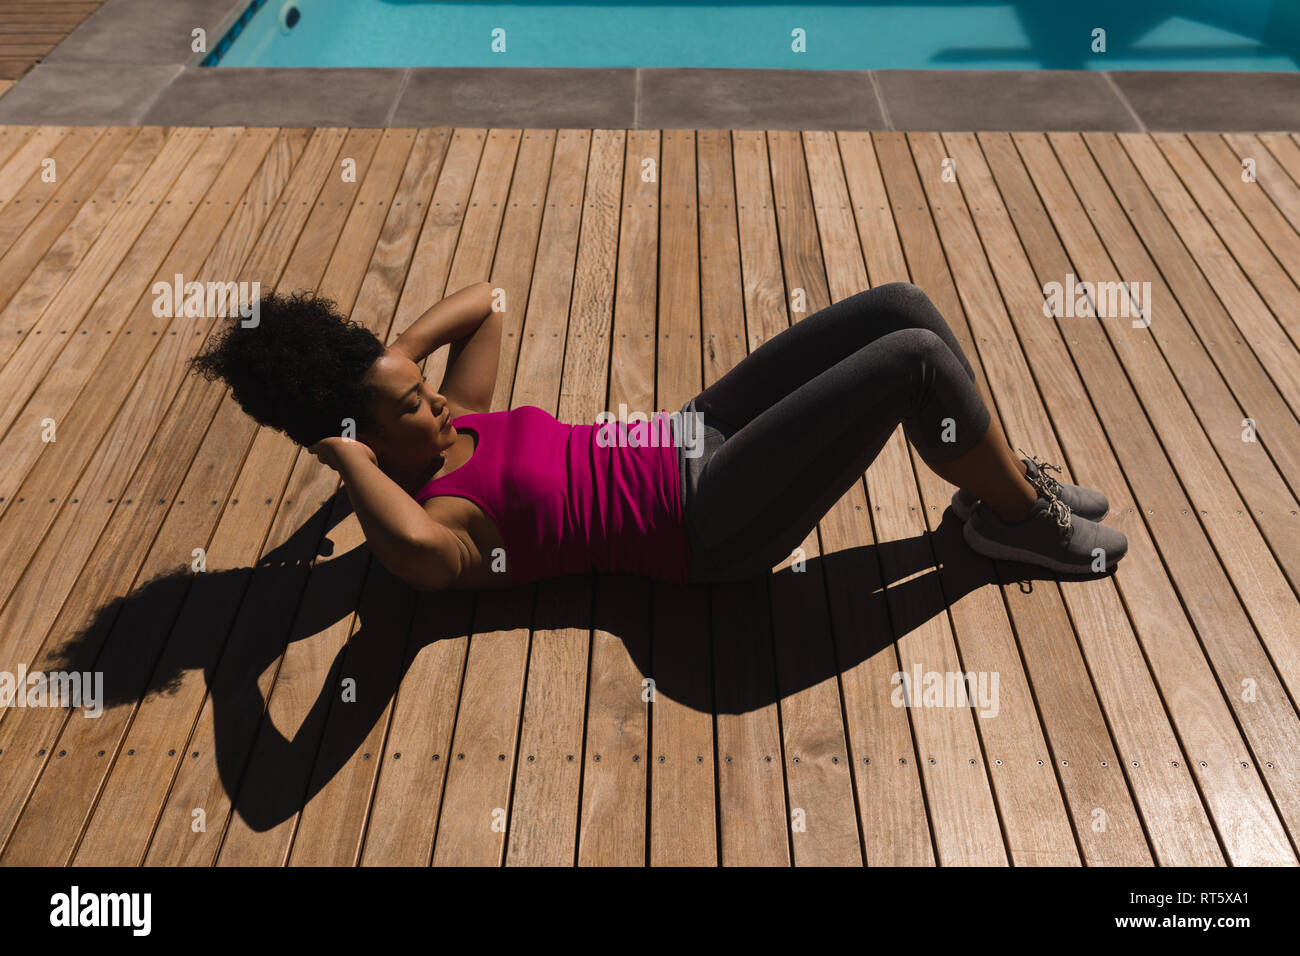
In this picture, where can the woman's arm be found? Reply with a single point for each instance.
(467, 321)
(415, 548)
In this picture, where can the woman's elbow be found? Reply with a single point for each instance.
(432, 566)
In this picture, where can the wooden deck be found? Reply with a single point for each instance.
(29, 29)
(291, 703)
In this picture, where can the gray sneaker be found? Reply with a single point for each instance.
(1082, 502)
(1051, 537)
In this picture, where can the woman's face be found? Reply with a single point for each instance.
(414, 421)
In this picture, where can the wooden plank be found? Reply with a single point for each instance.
(11, 140)
(1194, 325)
(467, 241)
(39, 494)
(25, 47)
(375, 619)
(539, 268)
(51, 306)
(332, 824)
(1071, 717)
(58, 808)
(753, 824)
(27, 240)
(1174, 819)
(134, 534)
(1277, 158)
(1017, 763)
(824, 829)
(139, 785)
(1232, 228)
(266, 813)
(46, 182)
(573, 281)
(1270, 719)
(25, 160)
(295, 244)
(1268, 500)
(1259, 327)
(887, 774)
(683, 802)
(1254, 204)
(1141, 574)
(615, 773)
(1029, 798)
(1224, 631)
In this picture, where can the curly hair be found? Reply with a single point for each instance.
(299, 370)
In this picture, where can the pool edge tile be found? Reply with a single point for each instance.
(518, 97)
(701, 98)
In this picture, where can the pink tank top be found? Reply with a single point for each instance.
(567, 500)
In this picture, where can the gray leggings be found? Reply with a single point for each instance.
(790, 429)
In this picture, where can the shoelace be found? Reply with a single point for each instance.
(1050, 488)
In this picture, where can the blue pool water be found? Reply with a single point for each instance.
(904, 34)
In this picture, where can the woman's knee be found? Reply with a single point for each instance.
(919, 344)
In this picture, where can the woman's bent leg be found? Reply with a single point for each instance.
(812, 345)
(771, 481)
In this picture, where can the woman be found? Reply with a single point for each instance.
(451, 495)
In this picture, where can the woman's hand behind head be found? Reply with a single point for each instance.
(333, 449)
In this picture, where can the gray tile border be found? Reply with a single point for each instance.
(1213, 102)
(85, 94)
(758, 99)
(1002, 100)
(517, 97)
(130, 62)
(149, 32)
(265, 96)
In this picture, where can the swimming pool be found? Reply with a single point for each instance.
(826, 35)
